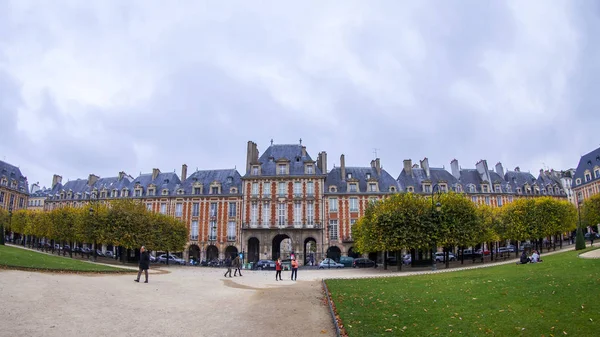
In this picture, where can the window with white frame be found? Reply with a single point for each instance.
(485, 188)
(281, 189)
(149, 206)
(254, 189)
(508, 188)
(510, 198)
(178, 209)
(310, 213)
(213, 230)
(443, 188)
(232, 210)
(597, 172)
(474, 199)
(309, 169)
(266, 213)
(333, 205)
(138, 193)
(310, 188)
(231, 231)
(353, 188)
(282, 169)
(163, 208)
(197, 190)
(254, 170)
(471, 188)
(297, 213)
(498, 189)
(297, 188)
(195, 209)
(213, 209)
(427, 188)
(499, 201)
(487, 200)
(267, 189)
(588, 176)
(518, 190)
(253, 213)
(333, 229)
(372, 187)
(352, 223)
(578, 181)
(151, 191)
(353, 204)
(281, 214)
(195, 230)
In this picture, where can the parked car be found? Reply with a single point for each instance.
(482, 251)
(407, 259)
(440, 257)
(511, 248)
(330, 263)
(503, 251)
(109, 254)
(364, 263)
(172, 260)
(265, 264)
(99, 252)
(469, 254)
(347, 261)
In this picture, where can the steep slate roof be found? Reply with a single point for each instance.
(552, 179)
(334, 178)
(227, 177)
(113, 183)
(419, 175)
(163, 180)
(82, 186)
(587, 162)
(291, 152)
(11, 172)
(41, 193)
(472, 176)
(519, 179)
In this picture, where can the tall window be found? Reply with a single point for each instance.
(254, 213)
(197, 190)
(310, 188)
(163, 208)
(510, 198)
(281, 214)
(149, 206)
(588, 176)
(333, 205)
(297, 188)
(353, 204)
(178, 209)
(1, 196)
(372, 187)
(138, 193)
(352, 223)
(215, 190)
(281, 168)
(474, 199)
(231, 231)
(195, 230)
(281, 189)
(310, 213)
(266, 189)
(297, 213)
(499, 201)
(195, 209)
(353, 188)
(484, 188)
(309, 169)
(255, 170)
(427, 188)
(597, 172)
(213, 209)
(232, 209)
(254, 189)
(213, 230)
(266, 213)
(487, 200)
(333, 229)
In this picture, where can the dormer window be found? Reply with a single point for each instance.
(393, 189)
(310, 169)
(353, 188)
(103, 194)
(368, 176)
(528, 190)
(556, 190)
(458, 189)
(372, 187)
(69, 195)
(508, 188)
(214, 190)
(443, 188)
(597, 172)
(550, 190)
(498, 188)
(254, 170)
(588, 176)
(332, 189)
(138, 192)
(115, 193)
(484, 188)
(410, 189)
(62, 195)
(578, 181)
(124, 193)
(180, 191)
(518, 190)
(232, 190)
(349, 176)
(229, 180)
(165, 191)
(471, 188)
(282, 169)
(427, 188)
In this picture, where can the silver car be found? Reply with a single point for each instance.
(330, 263)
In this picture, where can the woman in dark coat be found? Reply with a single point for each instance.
(144, 264)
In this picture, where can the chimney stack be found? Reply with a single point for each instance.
(183, 172)
(454, 168)
(343, 166)
(322, 162)
(408, 167)
(517, 169)
(92, 179)
(121, 175)
(378, 166)
(252, 155)
(303, 151)
(155, 173)
(425, 166)
(56, 179)
(500, 169)
(35, 187)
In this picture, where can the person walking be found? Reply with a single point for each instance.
(144, 264)
(278, 269)
(294, 270)
(228, 265)
(237, 265)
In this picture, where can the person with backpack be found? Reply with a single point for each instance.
(294, 270)
(228, 265)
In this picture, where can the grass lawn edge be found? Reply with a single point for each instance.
(65, 271)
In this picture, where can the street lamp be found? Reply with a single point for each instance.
(95, 246)
(436, 208)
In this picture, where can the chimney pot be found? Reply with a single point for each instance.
(343, 167)
(408, 166)
(155, 173)
(183, 172)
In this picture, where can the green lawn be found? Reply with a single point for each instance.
(558, 297)
(23, 258)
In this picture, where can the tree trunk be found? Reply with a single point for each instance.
(398, 261)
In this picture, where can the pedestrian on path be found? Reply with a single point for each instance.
(278, 270)
(294, 270)
(237, 265)
(144, 264)
(228, 265)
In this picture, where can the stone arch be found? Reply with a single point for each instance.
(253, 249)
(212, 253)
(276, 250)
(334, 253)
(194, 252)
(231, 252)
(310, 251)
(352, 253)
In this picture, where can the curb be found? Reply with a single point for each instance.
(331, 311)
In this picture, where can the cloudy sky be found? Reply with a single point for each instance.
(108, 85)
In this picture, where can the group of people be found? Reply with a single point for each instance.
(235, 263)
(279, 268)
(533, 258)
